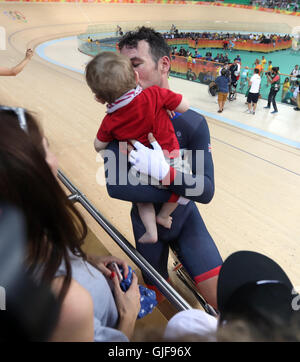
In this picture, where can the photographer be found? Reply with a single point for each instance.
(297, 91)
(274, 80)
(295, 73)
(234, 76)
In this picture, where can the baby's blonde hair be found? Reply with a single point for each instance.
(109, 75)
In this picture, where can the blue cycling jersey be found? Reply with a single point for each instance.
(188, 235)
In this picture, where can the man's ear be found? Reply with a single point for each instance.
(165, 64)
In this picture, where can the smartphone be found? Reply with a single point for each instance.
(115, 268)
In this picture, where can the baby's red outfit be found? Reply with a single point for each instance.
(139, 112)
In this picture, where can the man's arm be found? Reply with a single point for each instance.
(199, 184)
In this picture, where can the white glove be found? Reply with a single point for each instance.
(148, 161)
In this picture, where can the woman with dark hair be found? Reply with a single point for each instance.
(55, 234)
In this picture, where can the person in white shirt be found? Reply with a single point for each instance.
(253, 94)
(295, 72)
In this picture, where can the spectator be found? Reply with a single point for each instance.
(223, 88)
(285, 87)
(274, 80)
(56, 232)
(270, 66)
(5, 71)
(263, 64)
(254, 294)
(225, 44)
(258, 66)
(217, 58)
(291, 96)
(244, 78)
(296, 96)
(253, 94)
(235, 69)
(294, 74)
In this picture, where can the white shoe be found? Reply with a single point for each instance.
(247, 111)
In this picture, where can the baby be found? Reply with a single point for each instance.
(133, 113)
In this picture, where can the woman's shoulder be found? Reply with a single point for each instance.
(76, 317)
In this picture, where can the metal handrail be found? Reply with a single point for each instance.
(169, 292)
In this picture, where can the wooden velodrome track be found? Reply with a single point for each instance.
(256, 204)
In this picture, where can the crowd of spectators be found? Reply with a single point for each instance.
(256, 38)
(220, 58)
(289, 5)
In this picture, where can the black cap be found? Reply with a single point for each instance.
(252, 283)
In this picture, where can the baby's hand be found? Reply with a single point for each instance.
(170, 113)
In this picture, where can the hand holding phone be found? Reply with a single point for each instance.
(114, 267)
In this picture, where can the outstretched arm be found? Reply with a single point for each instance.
(4, 71)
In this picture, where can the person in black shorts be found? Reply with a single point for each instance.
(253, 94)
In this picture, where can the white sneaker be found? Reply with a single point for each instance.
(247, 111)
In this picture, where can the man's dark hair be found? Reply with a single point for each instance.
(256, 70)
(157, 44)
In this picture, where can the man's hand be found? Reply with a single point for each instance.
(148, 161)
